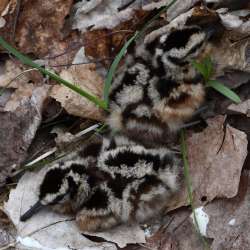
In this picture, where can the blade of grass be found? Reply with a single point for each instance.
(113, 68)
(26, 60)
(123, 50)
(224, 90)
(201, 68)
(189, 185)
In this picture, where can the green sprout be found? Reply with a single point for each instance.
(206, 68)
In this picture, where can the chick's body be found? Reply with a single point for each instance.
(130, 175)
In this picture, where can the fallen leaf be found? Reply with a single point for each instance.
(7, 230)
(234, 21)
(105, 14)
(215, 160)
(20, 119)
(40, 25)
(234, 78)
(122, 235)
(183, 231)
(86, 78)
(229, 225)
(243, 108)
(162, 240)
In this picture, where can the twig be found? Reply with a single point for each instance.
(12, 80)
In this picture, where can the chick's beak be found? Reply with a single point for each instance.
(33, 210)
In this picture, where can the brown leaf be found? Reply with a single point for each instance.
(18, 127)
(7, 230)
(86, 78)
(162, 240)
(40, 25)
(243, 108)
(229, 223)
(20, 115)
(215, 162)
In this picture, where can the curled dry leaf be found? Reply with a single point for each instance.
(86, 78)
(216, 157)
(229, 224)
(53, 230)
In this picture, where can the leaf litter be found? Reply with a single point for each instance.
(216, 154)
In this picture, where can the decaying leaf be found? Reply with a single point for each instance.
(122, 235)
(20, 119)
(53, 230)
(238, 21)
(229, 219)
(40, 25)
(100, 14)
(215, 159)
(7, 230)
(162, 240)
(86, 78)
(243, 108)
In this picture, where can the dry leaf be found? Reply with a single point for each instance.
(7, 230)
(183, 231)
(9, 72)
(122, 235)
(40, 25)
(237, 21)
(104, 15)
(234, 78)
(243, 108)
(215, 162)
(162, 240)
(86, 78)
(20, 119)
(229, 223)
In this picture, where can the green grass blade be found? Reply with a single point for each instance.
(113, 68)
(25, 60)
(224, 90)
(201, 68)
(122, 52)
(209, 67)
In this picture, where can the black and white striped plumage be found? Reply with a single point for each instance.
(128, 183)
(131, 174)
(158, 89)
